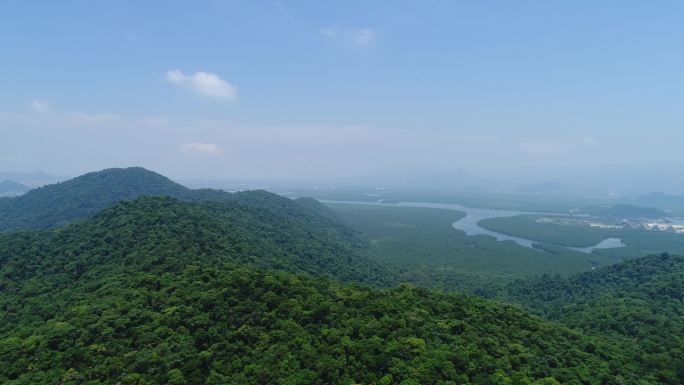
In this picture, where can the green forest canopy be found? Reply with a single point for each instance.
(238, 288)
(148, 292)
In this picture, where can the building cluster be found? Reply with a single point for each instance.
(650, 224)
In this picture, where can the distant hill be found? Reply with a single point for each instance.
(543, 188)
(639, 302)
(445, 180)
(81, 197)
(294, 239)
(159, 291)
(31, 178)
(624, 211)
(10, 188)
(87, 195)
(662, 201)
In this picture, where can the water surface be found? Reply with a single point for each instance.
(608, 243)
(469, 225)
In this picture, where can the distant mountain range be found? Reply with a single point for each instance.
(543, 188)
(624, 211)
(10, 188)
(210, 287)
(81, 197)
(621, 178)
(662, 200)
(31, 178)
(639, 303)
(84, 196)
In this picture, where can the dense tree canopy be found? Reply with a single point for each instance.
(158, 231)
(208, 287)
(149, 292)
(10, 188)
(638, 303)
(81, 197)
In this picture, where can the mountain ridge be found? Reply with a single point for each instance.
(157, 290)
(83, 196)
(639, 303)
(12, 188)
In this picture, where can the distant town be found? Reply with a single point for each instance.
(650, 224)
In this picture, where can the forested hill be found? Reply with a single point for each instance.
(624, 211)
(151, 233)
(639, 303)
(9, 188)
(81, 197)
(84, 196)
(149, 292)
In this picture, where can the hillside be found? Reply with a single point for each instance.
(149, 292)
(423, 242)
(81, 197)
(662, 201)
(639, 303)
(31, 178)
(543, 188)
(638, 242)
(11, 188)
(153, 230)
(624, 211)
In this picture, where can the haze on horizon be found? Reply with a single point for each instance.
(306, 91)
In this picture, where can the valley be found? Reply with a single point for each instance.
(210, 287)
(469, 222)
(637, 242)
(341, 192)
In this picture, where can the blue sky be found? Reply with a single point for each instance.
(308, 89)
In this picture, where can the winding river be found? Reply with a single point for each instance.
(469, 223)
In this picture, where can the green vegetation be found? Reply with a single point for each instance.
(150, 228)
(639, 242)
(639, 304)
(527, 226)
(637, 307)
(624, 211)
(424, 244)
(208, 287)
(672, 203)
(148, 292)
(10, 188)
(82, 197)
(547, 203)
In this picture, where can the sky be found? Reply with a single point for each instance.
(338, 90)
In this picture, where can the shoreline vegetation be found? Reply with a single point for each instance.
(254, 288)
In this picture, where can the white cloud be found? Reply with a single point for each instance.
(545, 147)
(280, 7)
(590, 140)
(40, 106)
(176, 76)
(204, 83)
(152, 121)
(362, 36)
(216, 149)
(330, 33)
(201, 148)
(365, 36)
(565, 145)
(91, 119)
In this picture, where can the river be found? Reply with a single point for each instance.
(469, 223)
